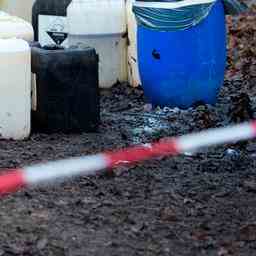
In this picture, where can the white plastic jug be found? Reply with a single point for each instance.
(20, 8)
(133, 69)
(11, 26)
(15, 87)
(101, 25)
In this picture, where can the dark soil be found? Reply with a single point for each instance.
(200, 203)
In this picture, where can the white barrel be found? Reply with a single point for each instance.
(15, 87)
(101, 25)
(20, 8)
(11, 26)
(132, 55)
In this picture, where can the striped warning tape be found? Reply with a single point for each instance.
(35, 175)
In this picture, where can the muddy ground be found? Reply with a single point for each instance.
(201, 203)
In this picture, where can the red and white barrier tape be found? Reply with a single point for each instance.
(89, 165)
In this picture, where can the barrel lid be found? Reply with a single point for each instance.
(13, 45)
(169, 4)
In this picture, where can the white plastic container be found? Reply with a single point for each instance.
(11, 26)
(102, 25)
(20, 8)
(15, 86)
(133, 69)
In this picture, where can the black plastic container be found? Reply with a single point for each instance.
(67, 91)
(52, 16)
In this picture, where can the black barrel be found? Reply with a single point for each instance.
(53, 28)
(67, 92)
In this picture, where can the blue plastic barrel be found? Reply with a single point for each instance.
(184, 67)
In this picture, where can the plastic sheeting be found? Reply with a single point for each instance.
(172, 15)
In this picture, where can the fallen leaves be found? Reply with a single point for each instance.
(248, 232)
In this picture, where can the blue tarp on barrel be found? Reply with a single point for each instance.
(182, 49)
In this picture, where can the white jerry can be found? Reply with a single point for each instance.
(14, 27)
(11, 26)
(101, 25)
(20, 8)
(15, 86)
(132, 55)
